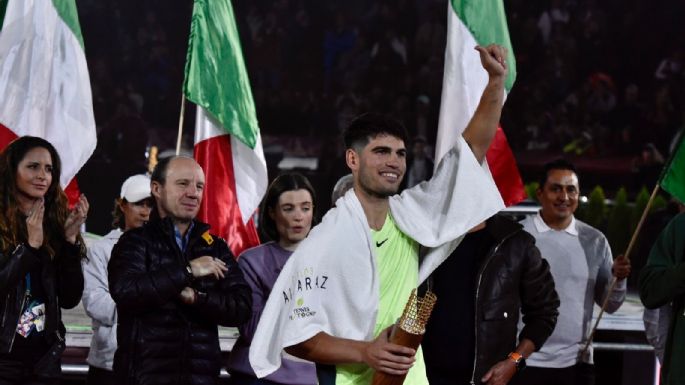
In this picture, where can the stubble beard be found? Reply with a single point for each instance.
(375, 193)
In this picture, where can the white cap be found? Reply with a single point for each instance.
(136, 188)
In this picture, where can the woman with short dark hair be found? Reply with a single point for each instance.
(285, 218)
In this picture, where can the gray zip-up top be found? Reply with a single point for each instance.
(98, 303)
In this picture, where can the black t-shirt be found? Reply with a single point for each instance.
(449, 342)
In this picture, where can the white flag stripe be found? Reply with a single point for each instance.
(249, 165)
(463, 83)
(44, 82)
(251, 180)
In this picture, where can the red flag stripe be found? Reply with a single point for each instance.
(219, 200)
(6, 136)
(504, 170)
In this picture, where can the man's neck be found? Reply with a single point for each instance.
(556, 223)
(375, 208)
(182, 226)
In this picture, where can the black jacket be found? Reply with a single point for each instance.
(512, 279)
(62, 281)
(160, 339)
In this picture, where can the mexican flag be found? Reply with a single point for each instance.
(228, 145)
(672, 178)
(471, 23)
(44, 80)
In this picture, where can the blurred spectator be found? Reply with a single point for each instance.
(420, 165)
(647, 167)
(314, 64)
(671, 66)
(344, 183)
(556, 13)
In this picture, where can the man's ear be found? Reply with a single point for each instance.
(538, 192)
(155, 188)
(352, 159)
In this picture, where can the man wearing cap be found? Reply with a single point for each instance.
(131, 210)
(174, 283)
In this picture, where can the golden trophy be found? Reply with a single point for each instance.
(409, 331)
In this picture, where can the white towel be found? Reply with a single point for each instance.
(330, 283)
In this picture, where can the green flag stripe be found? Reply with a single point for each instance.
(66, 9)
(215, 74)
(673, 177)
(487, 22)
(3, 8)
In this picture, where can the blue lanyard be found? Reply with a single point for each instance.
(28, 283)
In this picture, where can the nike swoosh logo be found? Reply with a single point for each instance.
(379, 244)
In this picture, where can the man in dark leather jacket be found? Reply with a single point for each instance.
(173, 283)
(494, 275)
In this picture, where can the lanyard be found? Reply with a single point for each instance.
(28, 283)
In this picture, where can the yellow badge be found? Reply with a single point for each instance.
(208, 238)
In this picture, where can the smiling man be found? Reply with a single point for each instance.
(338, 296)
(581, 263)
(173, 283)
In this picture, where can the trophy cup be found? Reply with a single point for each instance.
(409, 331)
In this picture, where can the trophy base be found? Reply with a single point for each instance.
(403, 338)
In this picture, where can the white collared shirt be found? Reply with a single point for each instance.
(542, 227)
(580, 259)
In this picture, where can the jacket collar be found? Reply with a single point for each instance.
(114, 235)
(167, 225)
(501, 227)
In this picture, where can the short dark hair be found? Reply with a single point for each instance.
(557, 164)
(160, 170)
(282, 183)
(368, 126)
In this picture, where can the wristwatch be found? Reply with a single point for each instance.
(518, 359)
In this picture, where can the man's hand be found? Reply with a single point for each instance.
(621, 267)
(483, 124)
(494, 60)
(187, 295)
(500, 373)
(204, 266)
(383, 356)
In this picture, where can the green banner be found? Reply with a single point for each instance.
(487, 22)
(215, 74)
(673, 177)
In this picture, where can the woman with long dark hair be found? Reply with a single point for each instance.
(285, 218)
(40, 261)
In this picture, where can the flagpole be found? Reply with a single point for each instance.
(180, 124)
(614, 281)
